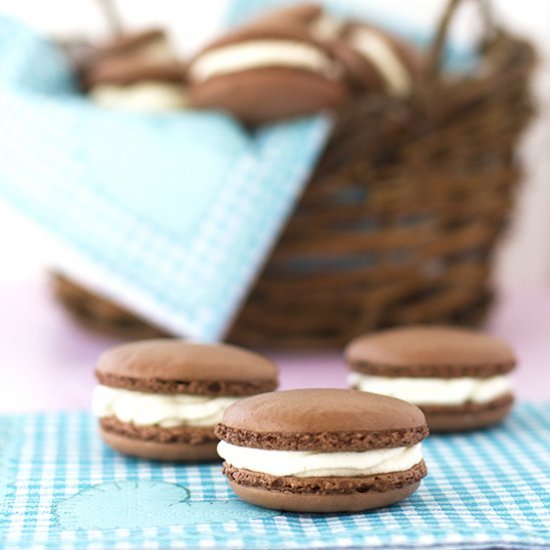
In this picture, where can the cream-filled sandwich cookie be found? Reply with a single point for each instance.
(375, 60)
(265, 72)
(322, 450)
(137, 72)
(162, 399)
(459, 378)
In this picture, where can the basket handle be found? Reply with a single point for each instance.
(435, 51)
(112, 16)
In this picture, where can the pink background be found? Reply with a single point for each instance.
(48, 361)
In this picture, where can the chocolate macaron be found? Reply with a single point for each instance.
(311, 18)
(266, 71)
(162, 399)
(459, 378)
(137, 72)
(322, 450)
(377, 61)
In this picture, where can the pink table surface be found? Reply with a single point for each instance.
(47, 360)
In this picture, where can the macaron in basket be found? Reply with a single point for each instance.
(286, 63)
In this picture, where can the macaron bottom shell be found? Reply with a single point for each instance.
(154, 450)
(467, 417)
(255, 96)
(321, 503)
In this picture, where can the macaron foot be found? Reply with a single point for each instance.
(155, 450)
(322, 503)
(460, 419)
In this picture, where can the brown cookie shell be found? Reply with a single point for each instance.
(153, 362)
(300, 15)
(268, 94)
(153, 450)
(126, 43)
(326, 485)
(470, 416)
(320, 418)
(190, 387)
(263, 30)
(430, 351)
(193, 435)
(441, 370)
(126, 70)
(362, 73)
(322, 441)
(319, 503)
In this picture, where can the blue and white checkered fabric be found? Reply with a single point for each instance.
(171, 214)
(61, 488)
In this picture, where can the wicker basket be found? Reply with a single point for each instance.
(400, 220)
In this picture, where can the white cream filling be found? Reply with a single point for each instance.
(158, 50)
(164, 410)
(376, 49)
(434, 391)
(261, 53)
(319, 464)
(326, 27)
(147, 96)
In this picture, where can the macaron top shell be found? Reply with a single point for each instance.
(424, 351)
(278, 39)
(176, 360)
(125, 43)
(295, 14)
(255, 33)
(322, 419)
(133, 58)
(126, 70)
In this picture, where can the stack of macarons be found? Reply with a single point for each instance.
(309, 450)
(288, 62)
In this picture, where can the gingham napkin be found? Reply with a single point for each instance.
(170, 215)
(61, 488)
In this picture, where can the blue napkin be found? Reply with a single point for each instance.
(60, 487)
(172, 215)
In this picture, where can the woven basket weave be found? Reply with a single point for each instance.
(401, 217)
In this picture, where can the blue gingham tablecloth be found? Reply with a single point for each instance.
(61, 488)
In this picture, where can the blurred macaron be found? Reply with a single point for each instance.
(459, 378)
(376, 60)
(267, 70)
(137, 72)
